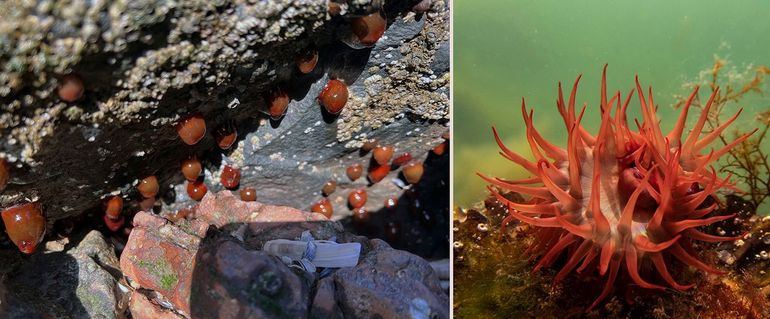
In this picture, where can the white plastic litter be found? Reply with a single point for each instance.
(320, 253)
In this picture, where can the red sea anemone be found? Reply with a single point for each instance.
(620, 198)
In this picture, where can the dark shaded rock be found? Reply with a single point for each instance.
(389, 283)
(232, 282)
(223, 274)
(325, 301)
(158, 61)
(77, 282)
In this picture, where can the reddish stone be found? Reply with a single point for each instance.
(224, 207)
(160, 256)
(142, 308)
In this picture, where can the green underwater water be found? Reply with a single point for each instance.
(505, 50)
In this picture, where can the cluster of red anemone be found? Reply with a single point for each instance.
(25, 223)
(622, 198)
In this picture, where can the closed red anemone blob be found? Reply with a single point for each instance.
(70, 88)
(357, 198)
(197, 189)
(230, 177)
(402, 159)
(307, 60)
(383, 154)
(191, 168)
(440, 149)
(334, 96)
(369, 28)
(179, 214)
(114, 224)
(192, 129)
(25, 225)
(113, 207)
(248, 194)
(5, 174)
(323, 206)
(329, 188)
(226, 135)
(392, 232)
(413, 172)
(148, 186)
(361, 216)
(391, 203)
(277, 103)
(378, 172)
(354, 171)
(369, 145)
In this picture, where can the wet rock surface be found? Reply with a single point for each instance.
(204, 268)
(147, 64)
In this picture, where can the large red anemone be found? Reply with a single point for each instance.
(622, 198)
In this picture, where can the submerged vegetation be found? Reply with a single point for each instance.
(747, 162)
(493, 265)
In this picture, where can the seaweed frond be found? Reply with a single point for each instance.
(747, 162)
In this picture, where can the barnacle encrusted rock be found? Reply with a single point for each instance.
(146, 64)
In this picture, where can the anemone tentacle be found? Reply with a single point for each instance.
(622, 196)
